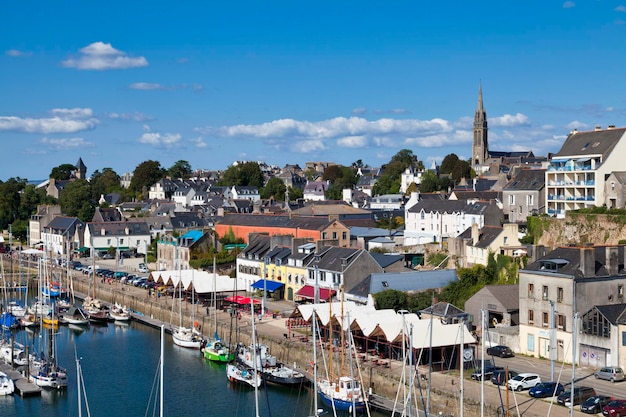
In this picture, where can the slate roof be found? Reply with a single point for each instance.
(357, 231)
(386, 260)
(301, 222)
(416, 281)
(444, 309)
(330, 259)
(118, 228)
(613, 312)
(449, 206)
(476, 195)
(106, 214)
(620, 176)
(527, 179)
(259, 245)
(486, 235)
(279, 253)
(182, 220)
(61, 224)
(334, 208)
(568, 262)
(591, 143)
(507, 295)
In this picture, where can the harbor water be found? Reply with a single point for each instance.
(120, 367)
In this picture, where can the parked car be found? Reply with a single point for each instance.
(501, 351)
(143, 269)
(610, 373)
(615, 408)
(128, 279)
(137, 282)
(489, 370)
(546, 389)
(580, 395)
(523, 381)
(502, 376)
(120, 274)
(594, 405)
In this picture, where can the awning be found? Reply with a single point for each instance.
(240, 299)
(559, 160)
(82, 249)
(308, 291)
(270, 286)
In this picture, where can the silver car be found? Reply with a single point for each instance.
(610, 373)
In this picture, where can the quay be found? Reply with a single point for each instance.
(23, 386)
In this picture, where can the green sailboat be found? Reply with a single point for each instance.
(215, 350)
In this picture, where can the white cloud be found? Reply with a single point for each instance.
(17, 53)
(158, 139)
(508, 120)
(359, 110)
(352, 142)
(146, 86)
(620, 8)
(398, 111)
(577, 125)
(65, 143)
(307, 146)
(62, 121)
(102, 56)
(135, 117)
(199, 142)
(569, 4)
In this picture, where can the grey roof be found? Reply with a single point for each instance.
(62, 224)
(620, 176)
(331, 258)
(182, 220)
(404, 281)
(444, 309)
(527, 179)
(278, 252)
(591, 143)
(507, 295)
(386, 260)
(613, 312)
(259, 245)
(449, 206)
(486, 235)
(382, 239)
(357, 231)
(119, 228)
(567, 261)
(476, 195)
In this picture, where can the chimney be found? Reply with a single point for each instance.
(475, 234)
(612, 259)
(587, 261)
(598, 128)
(611, 127)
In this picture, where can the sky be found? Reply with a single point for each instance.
(286, 82)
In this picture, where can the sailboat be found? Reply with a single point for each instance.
(215, 350)
(45, 371)
(272, 370)
(7, 387)
(237, 372)
(344, 392)
(184, 336)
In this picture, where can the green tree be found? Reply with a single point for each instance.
(295, 193)
(75, 200)
(391, 299)
(104, 182)
(460, 170)
(246, 174)
(62, 172)
(276, 188)
(340, 178)
(448, 163)
(145, 175)
(430, 182)
(180, 169)
(10, 201)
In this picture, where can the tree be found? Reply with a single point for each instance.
(246, 174)
(62, 172)
(460, 170)
(10, 200)
(75, 200)
(448, 163)
(145, 175)
(275, 188)
(295, 193)
(180, 169)
(430, 182)
(394, 299)
(104, 182)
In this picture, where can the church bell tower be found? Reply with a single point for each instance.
(480, 147)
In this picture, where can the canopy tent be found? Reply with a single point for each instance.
(308, 291)
(33, 252)
(240, 299)
(270, 286)
(201, 281)
(82, 249)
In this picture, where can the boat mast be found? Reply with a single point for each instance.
(254, 344)
(161, 364)
(314, 319)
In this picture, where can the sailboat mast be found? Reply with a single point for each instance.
(343, 342)
(254, 360)
(80, 406)
(314, 320)
(161, 376)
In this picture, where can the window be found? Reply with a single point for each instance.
(544, 319)
(323, 235)
(530, 343)
(334, 235)
(506, 240)
(422, 215)
(531, 316)
(122, 241)
(530, 200)
(620, 291)
(623, 338)
(344, 235)
(108, 242)
(560, 322)
(545, 293)
(531, 290)
(559, 295)
(511, 199)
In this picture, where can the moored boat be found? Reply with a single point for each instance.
(272, 370)
(7, 387)
(239, 374)
(187, 338)
(218, 352)
(75, 315)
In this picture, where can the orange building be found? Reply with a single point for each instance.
(316, 228)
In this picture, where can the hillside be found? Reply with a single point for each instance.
(579, 228)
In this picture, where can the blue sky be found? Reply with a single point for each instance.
(119, 83)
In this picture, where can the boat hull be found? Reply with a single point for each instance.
(340, 404)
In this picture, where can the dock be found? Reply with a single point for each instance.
(23, 387)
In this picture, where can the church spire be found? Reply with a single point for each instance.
(480, 145)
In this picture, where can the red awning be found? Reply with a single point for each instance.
(308, 291)
(240, 299)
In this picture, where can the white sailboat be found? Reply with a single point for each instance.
(242, 374)
(184, 336)
(7, 387)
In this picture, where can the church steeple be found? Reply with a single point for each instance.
(480, 146)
